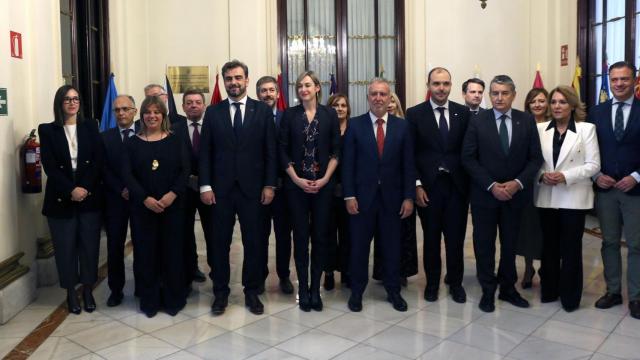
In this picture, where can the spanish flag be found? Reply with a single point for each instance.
(577, 75)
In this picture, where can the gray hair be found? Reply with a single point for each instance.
(503, 80)
(125, 96)
(377, 80)
(151, 86)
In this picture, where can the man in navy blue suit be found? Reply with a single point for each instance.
(117, 194)
(189, 130)
(268, 92)
(501, 152)
(617, 194)
(237, 176)
(378, 177)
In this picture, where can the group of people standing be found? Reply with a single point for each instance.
(334, 182)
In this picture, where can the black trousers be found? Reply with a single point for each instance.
(250, 215)
(117, 214)
(310, 220)
(278, 212)
(381, 218)
(339, 245)
(408, 254)
(486, 222)
(76, 242)
(446, 214)
(159, 248)
(193, 204)
(561, 271)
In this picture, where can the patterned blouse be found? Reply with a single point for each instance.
(310, 166)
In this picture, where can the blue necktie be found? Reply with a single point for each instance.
(237, 120)
(504, 134)
(618, 128)
(444, 127)
(125, 134)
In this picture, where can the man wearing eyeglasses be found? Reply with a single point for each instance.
(117, 195)
(158, 90)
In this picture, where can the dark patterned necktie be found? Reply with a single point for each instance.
(444, 127)
(237, 120)
(618, 128)
(504, 134)
(195, 139)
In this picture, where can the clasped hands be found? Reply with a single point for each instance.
(625, 184)
(79, 194)
(553, 178)
(158, 206)
(310, 186)
(505, 191)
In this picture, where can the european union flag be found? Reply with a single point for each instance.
(108, 120)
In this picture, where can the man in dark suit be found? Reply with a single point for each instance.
(268, 93)
(501, 152)
(237, 175)
(472, 92)
(438, 127)
(189, 130)
(617, 194)
(158, 90)
(117, 195)
(378, 178)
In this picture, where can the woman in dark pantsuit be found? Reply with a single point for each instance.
(309, 148)
(156, 171)
(72, 156)
(563, 194)
(338, 246)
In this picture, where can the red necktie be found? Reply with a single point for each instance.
(380, 136)
(195, 140)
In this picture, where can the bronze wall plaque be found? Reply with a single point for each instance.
(187, 77)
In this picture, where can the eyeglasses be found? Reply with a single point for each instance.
(69, 100)
(123, 109)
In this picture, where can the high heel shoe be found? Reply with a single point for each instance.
(72, 302)
(87, 298)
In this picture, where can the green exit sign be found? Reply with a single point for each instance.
(4, 105)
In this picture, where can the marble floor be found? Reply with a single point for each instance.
(439, 330)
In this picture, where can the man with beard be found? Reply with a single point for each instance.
(193, 105)
(472, 92)
(237, 176)
(268, 93)
(438, 127)
(117, 210)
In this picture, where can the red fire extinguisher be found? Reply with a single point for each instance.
(30, 167)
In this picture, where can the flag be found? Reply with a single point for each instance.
(577, 75)
(637, 87)
(282, 100)
(171, 106)
(334, 87)
(216, 97)
(537, 82)
(604, 86)
(108, 119)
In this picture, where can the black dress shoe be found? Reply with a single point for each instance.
(430, 294)
(150, 312)
(609, 300)
(304, 299)
(198, 276)
(260, 289)
(115, 299)
(570, 308)
(355, 303)
(514, 299)
(458, 294)
(316, 300)
(72, 302)
(548, 298)
(634, 309)
(397, 301)
(329, 281)
(487, 303)
(87, 298)
(219, 305)
(253, 303)
(286, 286)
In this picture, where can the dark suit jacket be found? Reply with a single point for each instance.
(181, 129)
(363, 171)
(617, 159)
(250, 160)
(56, 162)
(430, 150)
(291, 140)
(486, 162)
(175, 118)
(113, 160)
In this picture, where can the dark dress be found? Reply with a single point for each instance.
(158, 237)
(338, 245)
(530, 236)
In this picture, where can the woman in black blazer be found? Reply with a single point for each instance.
(71, 152)
(309, 148)
(155, 170)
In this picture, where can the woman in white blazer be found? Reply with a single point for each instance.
(563, 195)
